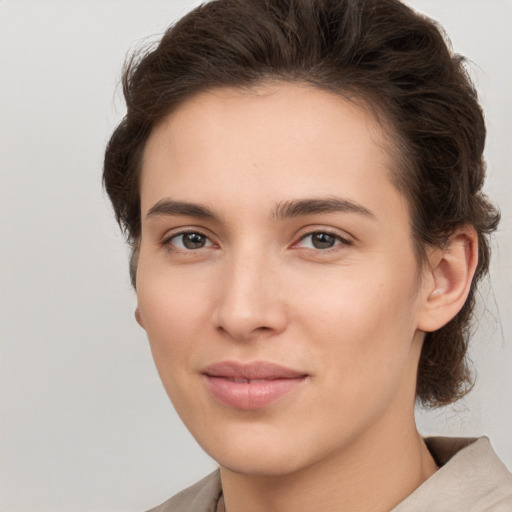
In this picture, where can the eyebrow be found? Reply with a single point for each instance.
(175, 208)
(302, 207)
(283, 210)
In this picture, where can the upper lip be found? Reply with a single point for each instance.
(261, 370)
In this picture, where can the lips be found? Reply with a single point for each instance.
(251, 386)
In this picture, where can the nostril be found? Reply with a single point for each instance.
(245, 332)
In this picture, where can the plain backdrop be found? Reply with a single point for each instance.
(85, 423)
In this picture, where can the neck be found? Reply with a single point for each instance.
(374, 473)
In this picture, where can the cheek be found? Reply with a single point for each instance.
(354, 302)
(174, 308)
(362, 327)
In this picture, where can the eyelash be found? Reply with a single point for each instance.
(339, 240)
(167, 242)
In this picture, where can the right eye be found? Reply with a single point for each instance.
(188, 241)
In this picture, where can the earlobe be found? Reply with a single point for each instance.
(448, 279)
(138, 317)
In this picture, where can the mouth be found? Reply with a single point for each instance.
(251, 386)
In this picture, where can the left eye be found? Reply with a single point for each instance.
(321, 240)
(189, 241)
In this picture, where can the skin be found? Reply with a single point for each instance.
(351, 316)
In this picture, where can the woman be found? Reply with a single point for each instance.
(300, 182)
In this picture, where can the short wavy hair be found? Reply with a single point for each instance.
(380, 52)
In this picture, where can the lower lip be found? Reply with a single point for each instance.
(251, 395)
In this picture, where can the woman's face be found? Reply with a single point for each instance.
(277, 279)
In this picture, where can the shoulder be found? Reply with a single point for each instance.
(471, 478)
(200, 497)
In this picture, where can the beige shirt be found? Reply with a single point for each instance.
(471, 479)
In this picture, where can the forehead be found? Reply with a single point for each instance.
(301, 110)
(281, 140)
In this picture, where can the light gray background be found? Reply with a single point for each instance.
(85, 423)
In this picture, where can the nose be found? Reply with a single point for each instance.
(251, 304)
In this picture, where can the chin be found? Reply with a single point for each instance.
(261, 451)
(261, 465)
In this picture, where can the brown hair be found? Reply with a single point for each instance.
(378, 51)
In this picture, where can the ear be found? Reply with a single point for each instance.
(447, 279)
(138, 317)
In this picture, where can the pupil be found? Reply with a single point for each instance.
(193, 241)
(323, 241)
